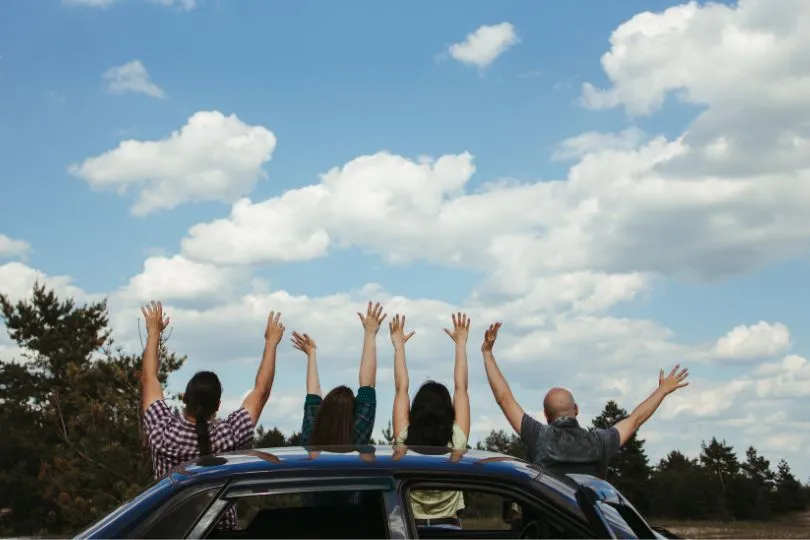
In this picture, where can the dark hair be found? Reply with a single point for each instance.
(334, 422)
(432, 416)
(202, 396)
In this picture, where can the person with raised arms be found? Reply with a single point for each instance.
(562, 445)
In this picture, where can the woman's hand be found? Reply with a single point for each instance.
(461, 329)
(304, 343)
(397, 328)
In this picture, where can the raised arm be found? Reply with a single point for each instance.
(368, 361)
(151, 391)
(257, 398)
(642, 413)
(461, 397)
(500, 388)
(402, 403)
(307, 345)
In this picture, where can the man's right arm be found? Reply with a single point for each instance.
(503, 394)
(666, 385)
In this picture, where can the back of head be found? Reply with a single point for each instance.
(334, 424)
(432, 416)
(559, 403)
(202, 396)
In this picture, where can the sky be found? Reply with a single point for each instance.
(624, 185)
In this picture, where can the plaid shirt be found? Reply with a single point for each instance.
(365, 409)
(173, 440)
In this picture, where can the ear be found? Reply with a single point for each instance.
(576, 410)
(545, 413)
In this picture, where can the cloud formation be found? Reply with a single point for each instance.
(483, 46)
(131, 77)
(212, 158)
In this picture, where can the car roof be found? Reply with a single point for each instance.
(381, 458)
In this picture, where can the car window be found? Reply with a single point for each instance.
(332, 513)
(479, 511)
(181, 513)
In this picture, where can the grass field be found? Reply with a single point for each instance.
(797, 527)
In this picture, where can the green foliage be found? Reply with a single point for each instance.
(72, 446)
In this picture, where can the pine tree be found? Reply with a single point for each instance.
(720, 462)
(388, 434)
(789, 495)
(629, 470)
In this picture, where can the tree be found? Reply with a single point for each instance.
(720, 462)
(503, 443)
(629, 470)
(388, 434)
(756, 485)
(75, 428)
(789, 495)
(273, 438)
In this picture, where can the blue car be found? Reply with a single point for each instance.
(363, 492)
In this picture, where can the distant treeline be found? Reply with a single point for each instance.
(72, 448)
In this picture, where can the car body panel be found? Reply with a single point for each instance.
(299, 466)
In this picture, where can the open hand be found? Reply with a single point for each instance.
(490, 336)
(153, 315)
(373, 318)
(303, 343)
(461, 328)
(397, 328)
(274, 330)
(674, 380)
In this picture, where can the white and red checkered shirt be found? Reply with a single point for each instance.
(173, 440)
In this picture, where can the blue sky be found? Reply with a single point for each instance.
(332, 83)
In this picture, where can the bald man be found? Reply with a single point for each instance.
(562, 445)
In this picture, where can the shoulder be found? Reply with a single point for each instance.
(609, 437)
(157, 411)
(531, 427)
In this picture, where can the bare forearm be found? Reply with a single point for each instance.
(368, 360)
(313, 381)
(401, 382)
(497, 382)
(151, 353)
(647, 408)
(267, 369)
(461, 370)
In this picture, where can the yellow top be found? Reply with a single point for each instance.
(435, 504)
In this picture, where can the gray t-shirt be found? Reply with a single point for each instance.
(565, 447)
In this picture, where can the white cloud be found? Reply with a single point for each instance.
(17, 281)
(787, 379)
(10, 247)
(761, 340)
(212, 158)
(131, 77)
(177, 278)
(485, 45)
(592, 142)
